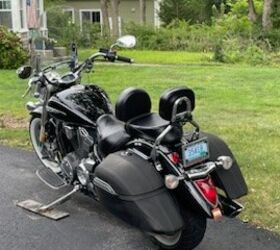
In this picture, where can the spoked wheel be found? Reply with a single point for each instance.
(39, 147)
(188, 238)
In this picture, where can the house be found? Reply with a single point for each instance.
(89, 10)
(23, 15)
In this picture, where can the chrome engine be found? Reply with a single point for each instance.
(69, 166)
(78, 164)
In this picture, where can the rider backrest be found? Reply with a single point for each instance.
(170, 96)
(132, 102)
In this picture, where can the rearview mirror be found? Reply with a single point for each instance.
(126, 41)
(24, 72)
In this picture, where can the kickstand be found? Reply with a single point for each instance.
(60, 200)
(48, 210)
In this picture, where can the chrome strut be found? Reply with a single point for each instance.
(60, 200)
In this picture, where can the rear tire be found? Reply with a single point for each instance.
(191, 235)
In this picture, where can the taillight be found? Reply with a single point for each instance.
(208, 190)
(174, 157)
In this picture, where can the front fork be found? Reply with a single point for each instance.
(44, 117)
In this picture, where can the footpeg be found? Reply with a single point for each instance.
(50, 178)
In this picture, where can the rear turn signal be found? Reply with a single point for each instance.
(171, 181)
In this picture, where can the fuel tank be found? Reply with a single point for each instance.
(80, 105)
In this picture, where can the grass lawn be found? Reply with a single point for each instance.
(158, 57)
(237, 102)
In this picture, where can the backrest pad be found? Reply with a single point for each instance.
(169, 97)
(132, 102)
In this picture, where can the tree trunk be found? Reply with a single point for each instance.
(115, 17)
(252, 11)
(105, 18)
(142, 6)
(266, 17)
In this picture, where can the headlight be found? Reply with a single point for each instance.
(83, 174)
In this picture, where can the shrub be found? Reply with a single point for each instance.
(64, 31)
(219, 55)
(236, 50)
(179, 35)
(255, 55)
(11, 50)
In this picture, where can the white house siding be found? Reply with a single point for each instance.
(18, 22)
(129, 10)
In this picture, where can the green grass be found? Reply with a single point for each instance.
(158, 57)
(237, 102)
(15, 138)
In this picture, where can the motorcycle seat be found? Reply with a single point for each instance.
(149, 126)
(111, 134)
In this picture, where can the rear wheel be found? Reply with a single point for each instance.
(188, 238)
(41, 149)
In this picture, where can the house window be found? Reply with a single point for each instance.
(6, 13)
(70, 14)
(90, 16)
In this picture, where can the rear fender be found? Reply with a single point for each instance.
(230, 181)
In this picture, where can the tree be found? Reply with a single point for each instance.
(252, 11)
(51, 3)
(105, 17)
(142, 6)
(193, 11)
(115, 17)
(266, 17)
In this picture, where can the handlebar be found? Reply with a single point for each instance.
(41, 77)
(124, 59)
(112, 56)
(55, 65)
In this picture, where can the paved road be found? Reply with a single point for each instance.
(89, 225)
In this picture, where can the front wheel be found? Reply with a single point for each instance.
(41, 149)
(188, 238)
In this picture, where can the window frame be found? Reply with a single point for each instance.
(22, 14)
(72, 10)
(4, 10)
(90, 10)
(8, 11)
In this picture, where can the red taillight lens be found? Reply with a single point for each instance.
(208, 190)
(174, 157)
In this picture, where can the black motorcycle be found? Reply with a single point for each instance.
(140, 165)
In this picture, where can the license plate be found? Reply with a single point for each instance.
(195, 152)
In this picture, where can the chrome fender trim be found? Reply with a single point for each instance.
(104, 185)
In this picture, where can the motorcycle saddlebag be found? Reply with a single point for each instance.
(231, 181)
(130, 188)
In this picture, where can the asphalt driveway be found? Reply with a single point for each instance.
(89, 225)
